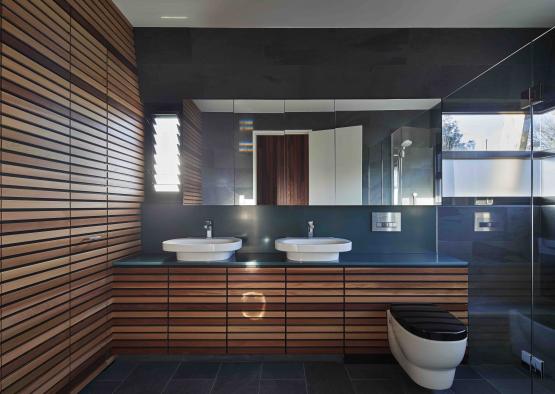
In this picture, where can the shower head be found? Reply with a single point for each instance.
(406, 144)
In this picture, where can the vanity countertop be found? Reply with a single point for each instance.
(279, 260)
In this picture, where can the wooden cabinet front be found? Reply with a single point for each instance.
(271, 310)
(315, 310)
(197, 310)
(256, 310)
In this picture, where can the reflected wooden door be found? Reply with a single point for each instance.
(282, 169)
(270, 177)
(296, 169)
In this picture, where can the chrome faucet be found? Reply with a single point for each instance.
(310, 228)
(208, 228)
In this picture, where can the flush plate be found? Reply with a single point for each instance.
(487, 221)
(386, 221)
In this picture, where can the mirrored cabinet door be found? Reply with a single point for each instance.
(310, 152)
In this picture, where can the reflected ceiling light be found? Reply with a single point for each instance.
(174, 17)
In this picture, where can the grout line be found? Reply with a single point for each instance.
(171, 377)
(491, 385)
(216, 377)
(305, 379)
(125, 378)
(259, 377)
(348, 372)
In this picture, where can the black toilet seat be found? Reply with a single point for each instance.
(429, 321)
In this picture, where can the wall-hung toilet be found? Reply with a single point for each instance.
(427, 341)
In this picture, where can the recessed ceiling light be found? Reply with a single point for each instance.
(174, 17)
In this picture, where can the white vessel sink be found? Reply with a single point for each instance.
(203, 249)
(313, 249)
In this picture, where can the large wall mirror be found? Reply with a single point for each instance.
(311, 152)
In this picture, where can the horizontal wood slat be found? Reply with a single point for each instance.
(197, 310)
(58, 229)
(140, 310)
(256, 310)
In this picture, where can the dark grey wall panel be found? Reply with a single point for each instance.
(259, 226)
(179, 63)
(499, 274)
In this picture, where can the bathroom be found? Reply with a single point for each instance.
(211, 197)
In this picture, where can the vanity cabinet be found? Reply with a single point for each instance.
(271, 309)
(369, 291)
(140, 310)
(197, 310)
(256, 310)
(315, 310)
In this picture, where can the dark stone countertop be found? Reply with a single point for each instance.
(279, 260)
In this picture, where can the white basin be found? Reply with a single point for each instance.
(203, 249)
(313, 249)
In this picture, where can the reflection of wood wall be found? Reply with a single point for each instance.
(191, 149)
(282, 169)
(72, 184)
(273, 310)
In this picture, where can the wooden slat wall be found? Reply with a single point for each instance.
(64, 215)
(36, 163)
(310, 310)
(368, 290)
(90, 274)
(125, 161)
(191, 166)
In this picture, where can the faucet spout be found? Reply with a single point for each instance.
(310, 228)
(208, 228)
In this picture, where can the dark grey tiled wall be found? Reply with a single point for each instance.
(544, 291)
(499, 276)
(218, 159)
(259, 226)
(179, 63)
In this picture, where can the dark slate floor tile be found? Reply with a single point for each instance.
(118, 370)
(548, 383)
(501, 372)
(323, 378)
(283, 371)
(148, 377)
(466, 372)
(247, 371)
(101, 387)
(189, 386)
(197, 370)
(238, 378)
(517, 386)
(378, 386)
(372, 371)
(411, 387)
(289, 386)
(236, 386)
(473, 387)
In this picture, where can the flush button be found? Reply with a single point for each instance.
(386, 221)
(487, 221)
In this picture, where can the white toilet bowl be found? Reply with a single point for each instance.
(428, 342)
